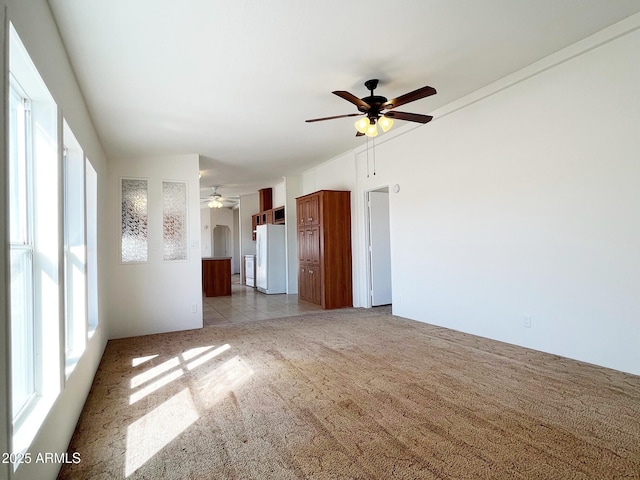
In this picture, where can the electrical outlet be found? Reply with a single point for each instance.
(194, 308)
(527, 321)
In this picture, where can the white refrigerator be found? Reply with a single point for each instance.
(270, 259)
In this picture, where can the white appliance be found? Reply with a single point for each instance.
(270, 259)
(250, 270)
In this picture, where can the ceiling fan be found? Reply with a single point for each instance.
(379, 110)
(214, 200)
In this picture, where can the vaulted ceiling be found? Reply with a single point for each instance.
(234, 81)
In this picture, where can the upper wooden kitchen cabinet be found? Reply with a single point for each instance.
(267, 215)
(308, 209)
(324, 248)
(265, 197)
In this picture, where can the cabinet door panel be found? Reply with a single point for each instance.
(314, 285)
(313, 245)
(313, 210)
(308, 210)
(300, 211)
(302, 245)
(302, 284)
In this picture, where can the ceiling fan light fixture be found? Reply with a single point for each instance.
(362, 124)
(214, 203)
(372, 129)
(385, 123)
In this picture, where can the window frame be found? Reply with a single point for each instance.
(74, 263)
(26, 245)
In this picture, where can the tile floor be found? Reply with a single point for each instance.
(246, 304)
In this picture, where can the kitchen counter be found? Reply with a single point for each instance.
(216, 276)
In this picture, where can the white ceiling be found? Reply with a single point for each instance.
(234, 80)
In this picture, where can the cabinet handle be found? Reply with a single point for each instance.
(311, 272)
(310, 219)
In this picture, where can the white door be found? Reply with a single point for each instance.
(379, 248)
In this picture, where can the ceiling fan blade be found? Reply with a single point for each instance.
(331, 118)
(359, 134)
(411, 117)
(349, 97)
(409, 97)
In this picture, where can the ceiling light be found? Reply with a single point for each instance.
(368, 125)
(362, 124)
(214, 203)
(385, 123)
(372, 129)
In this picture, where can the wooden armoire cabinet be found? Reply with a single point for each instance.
(324, 248)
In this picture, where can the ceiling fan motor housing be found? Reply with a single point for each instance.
(375, 102)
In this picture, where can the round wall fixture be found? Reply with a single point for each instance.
(396, 188)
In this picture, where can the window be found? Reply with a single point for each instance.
(35, 246)
(23, 329)
(75, 261)
(53, 279)
(174, 220)
(91, 188)
(134, 241)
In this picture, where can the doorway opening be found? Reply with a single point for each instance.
(221, 243)
(378, 248)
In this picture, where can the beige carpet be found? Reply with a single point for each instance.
(355, 394)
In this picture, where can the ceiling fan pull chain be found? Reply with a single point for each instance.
(373, 149)
(367, 139)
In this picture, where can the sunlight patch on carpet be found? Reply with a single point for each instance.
(152, 387)
(225, 378)
(204, 357)
(195, 351)
(156, 377)
(140, 360)
(149, 434)
(154, 372)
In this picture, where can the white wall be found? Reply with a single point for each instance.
(155, 296)
(39, 34)
(206, 240)
(525, 203)
(336, 174)
(292, 190)
(279, 195)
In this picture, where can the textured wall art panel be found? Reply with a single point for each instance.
(174, 220)
(134, 238)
